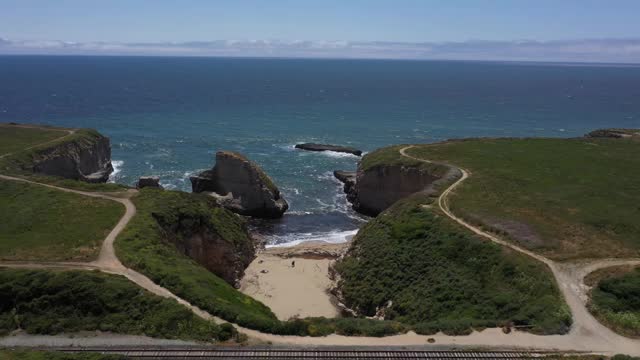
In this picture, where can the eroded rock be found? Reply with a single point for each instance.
(325, 147)
(241, 186)
(348, 178)
(148, 181)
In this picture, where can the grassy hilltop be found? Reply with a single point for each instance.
(40, 223)
(565, 198)
(16, 138)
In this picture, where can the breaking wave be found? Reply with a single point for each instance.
(117, 169)
(333, 237)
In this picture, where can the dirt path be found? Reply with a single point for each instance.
(69, 133)
(586, 334)
(569, 276)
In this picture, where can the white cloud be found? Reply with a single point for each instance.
(590, 50)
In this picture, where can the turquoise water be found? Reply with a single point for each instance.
(168, 116)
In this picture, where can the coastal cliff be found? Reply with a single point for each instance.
(381, 180)
(241, 186)
(212, 236)
(85, 156)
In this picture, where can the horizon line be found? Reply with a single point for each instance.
(612, 51)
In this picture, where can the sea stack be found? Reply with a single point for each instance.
(148, 181)
(241, 186)
(324, 147)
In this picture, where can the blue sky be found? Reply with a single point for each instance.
(29, 25)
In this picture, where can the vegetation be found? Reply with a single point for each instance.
(615, 301)
(390, 156)
(41, 223)
(48, 302)
(423, 270)
(20, 161)
(49, 355)
(142, 246)
(14, 138)
(565, 198)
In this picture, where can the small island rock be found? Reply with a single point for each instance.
(148, 181)
(324, 147)
(241, 186)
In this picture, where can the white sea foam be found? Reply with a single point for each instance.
(168, 185)
(340, 155)
(332, 237)
(117, 168)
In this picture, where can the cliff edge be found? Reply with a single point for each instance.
(384, 177)
(84, 155)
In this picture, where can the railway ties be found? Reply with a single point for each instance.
(202, 353)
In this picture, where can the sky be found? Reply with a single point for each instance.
(554, 30)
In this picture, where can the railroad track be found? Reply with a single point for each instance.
(271, 353)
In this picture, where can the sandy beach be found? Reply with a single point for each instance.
(294, 281)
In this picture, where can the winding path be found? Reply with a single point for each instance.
(586, 334)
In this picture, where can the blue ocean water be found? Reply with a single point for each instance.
(168, 116)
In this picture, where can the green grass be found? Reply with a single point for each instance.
(143, 246)
(14, 138)
(39, 223)
(565, 198)
(49, 355)
(390, 156)
(20, 163)
(615, 301)
(54, 302)
(440, 277)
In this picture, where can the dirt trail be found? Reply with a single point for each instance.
(69, 133)
(586, 334)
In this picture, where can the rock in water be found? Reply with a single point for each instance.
(323, 147)
(241, 186)
(348, 178)
(148, 181)
(614, 133)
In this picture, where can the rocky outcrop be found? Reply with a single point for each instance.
(219, 242)
(324, 147)
(377, 187)
(614, 133)
(241, 186)
(148, 181)
(86, 156)
(348, 178)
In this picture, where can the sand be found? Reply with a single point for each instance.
(293, 291)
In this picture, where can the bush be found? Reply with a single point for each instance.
(616, 302)
(143, 246)
(46, 302)
(439, 277)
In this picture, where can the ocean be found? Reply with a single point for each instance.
(168, 116)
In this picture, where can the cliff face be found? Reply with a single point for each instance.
(379, 187)
(214, 237)
(241, 186)
(86, 156)
(384, 176)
